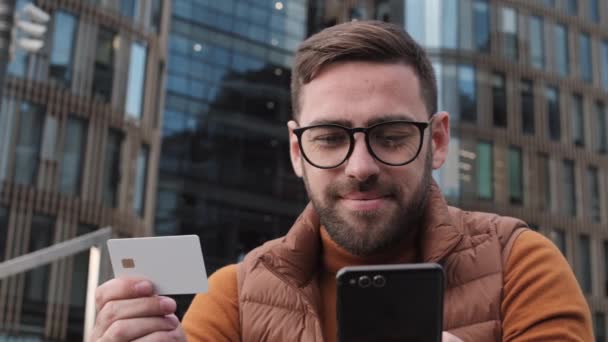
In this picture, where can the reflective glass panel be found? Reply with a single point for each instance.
(485, 179)
(27, 151)
(135, 85)
(561, 50)
(578, 122)
(74, 145)
(585, 63)
(64, 35)
(537, 48)
(527, 106)
(584, 263)
(516, 186)
(569, 188)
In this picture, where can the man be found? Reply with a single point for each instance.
(365, 136)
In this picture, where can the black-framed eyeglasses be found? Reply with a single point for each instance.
(394, 143)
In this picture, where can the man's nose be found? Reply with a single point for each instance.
(361, 165)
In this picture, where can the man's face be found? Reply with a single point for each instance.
(365, 205)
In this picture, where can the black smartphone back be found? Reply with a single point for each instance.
(390, 303)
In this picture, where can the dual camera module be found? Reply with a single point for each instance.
(365, 281)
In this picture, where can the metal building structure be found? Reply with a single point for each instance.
(79, 146)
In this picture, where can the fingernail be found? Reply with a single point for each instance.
(173, 320)
(143, 288)
(167, 305)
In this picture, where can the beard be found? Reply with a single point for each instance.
(371, 232)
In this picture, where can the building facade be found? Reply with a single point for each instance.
(526, 83)
(225, 172)
(79, 145)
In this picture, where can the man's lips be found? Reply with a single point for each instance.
(364, 201)
(363, 196)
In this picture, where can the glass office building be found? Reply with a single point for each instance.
(225, 172)
(79, 145)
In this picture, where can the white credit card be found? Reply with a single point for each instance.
(174, 264)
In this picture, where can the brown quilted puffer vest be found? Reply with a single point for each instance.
(279, 298)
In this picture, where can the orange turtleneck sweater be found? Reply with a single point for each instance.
(541, 302)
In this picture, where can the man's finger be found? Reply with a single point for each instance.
(176, 335)
(125, 309)
(134, 328)
(447, 337)
(122, 288)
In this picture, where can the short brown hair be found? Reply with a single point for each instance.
(368, 41)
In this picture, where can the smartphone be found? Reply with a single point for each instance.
(174, 264)
(390, 303)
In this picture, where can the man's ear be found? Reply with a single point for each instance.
(440, 138)
(294, 149)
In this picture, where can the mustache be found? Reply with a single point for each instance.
(339, 188)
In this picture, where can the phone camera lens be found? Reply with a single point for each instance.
(379, 281)
(364, 281)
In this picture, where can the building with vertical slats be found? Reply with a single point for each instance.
(79, 145)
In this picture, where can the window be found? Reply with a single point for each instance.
(135, 85)
(140, 180)
(157, 15)
(73, 155)
(572, 7)
(78, 292)
(527, 106)
(27, 151)
(599, 326)
(585, 62)
(594, 11)
(516, 186)
(481, 25)
(111, 174)
(128, 8)
(36, 281)
(595, 206)
(3, 231)
(606, 268)
(467, 93)
(62, 51)
(484, 171)
(549, 3)
(561, 50)
(7, 119)
(559, 239)
(578, 123)
(18, 66)
(584, 263)
(601, 126)
(450, 24)
(544, 181)
(537, 42)
(499, 100)
(604, 62)
(509, 30)
(103, 71)
(553, 114)
(569, 188)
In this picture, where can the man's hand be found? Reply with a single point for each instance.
(128, 310)
(447, 337)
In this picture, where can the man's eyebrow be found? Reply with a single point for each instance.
(344, 123)
(390, 117)
(371, 122)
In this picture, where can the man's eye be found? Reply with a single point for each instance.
(328, 139)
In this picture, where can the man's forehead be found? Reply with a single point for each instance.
(362, 93)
